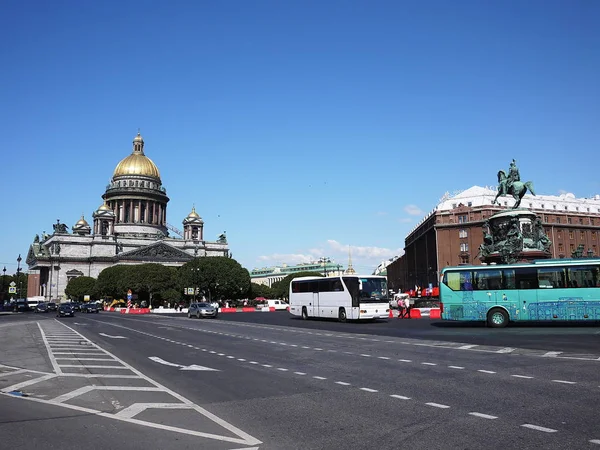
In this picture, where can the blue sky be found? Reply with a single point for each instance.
(299, 127)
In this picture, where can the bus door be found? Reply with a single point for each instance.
(518, 293)
(315, 300)
(497, 288)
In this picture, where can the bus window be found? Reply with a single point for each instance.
(553, 277)
(583, 276)
(487, 280)
(508, 278)
(452, 280)
(526, 278)
(466, 281)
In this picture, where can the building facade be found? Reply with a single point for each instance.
(269, 275)
(452, 232)
(129, 227)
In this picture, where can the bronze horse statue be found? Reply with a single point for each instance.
(517, 189)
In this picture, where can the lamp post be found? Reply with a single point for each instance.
(57, 250)
(323, 260)
(19, 259)
(3, 281)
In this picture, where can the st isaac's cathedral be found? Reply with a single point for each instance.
(130, 227)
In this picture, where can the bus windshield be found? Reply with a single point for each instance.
(373, 290)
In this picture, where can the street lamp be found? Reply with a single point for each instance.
(3, 281)
(57, 250)
(323, 260)
(19, 273)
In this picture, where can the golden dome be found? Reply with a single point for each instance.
(137, 164)
(104, 207)
(193, 214)
(82, 222)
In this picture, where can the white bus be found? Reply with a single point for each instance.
(349, 297)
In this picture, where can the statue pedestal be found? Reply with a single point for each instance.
(514, 236)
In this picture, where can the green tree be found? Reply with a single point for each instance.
(281, 289)
(80, 286)
(115, 280)
(150, 279)
(217, 277)
(259, 290)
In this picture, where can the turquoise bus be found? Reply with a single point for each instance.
(550, 289)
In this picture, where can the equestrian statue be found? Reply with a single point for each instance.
(511, 184)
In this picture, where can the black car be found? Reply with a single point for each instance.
(89, 308)
(65, 310)
(42, 308)
(75, 306)
(52, 306)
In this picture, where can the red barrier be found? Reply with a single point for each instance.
(435, 313)
(228, 310)
(248, 309)
(135, 311)
(415, 314)
(271, 308)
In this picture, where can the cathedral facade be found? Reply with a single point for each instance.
(130, 227)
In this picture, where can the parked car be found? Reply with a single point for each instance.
(76, 306)
(41, 308)
(89, 308)
(52, 306)
(64, 310)
(202, 309)
(396, 298)
(279, 305)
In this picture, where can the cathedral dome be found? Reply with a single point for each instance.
(81, 223)
(193, 214)
(137, 163)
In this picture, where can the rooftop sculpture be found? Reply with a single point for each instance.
(512, 185)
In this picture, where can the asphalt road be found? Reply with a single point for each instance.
(268, 381)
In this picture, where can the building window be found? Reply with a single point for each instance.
(594, 250)
(572, 248)
(582, 235)
(581, 220)
(568, 220)
(453, 205)
(554, 206)
(566, 208)
(464, 247)
(593, 235)
(530, 205)
(588, 209)
(464, 259)
(462, 219)
(559, 234)
(462, 233)
(561, 248)
(558, 220)
(571, 235)
(543, 206)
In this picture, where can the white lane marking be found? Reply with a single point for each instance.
(282, 369)
(342, 383)
(253, 362)
(595, 441)
(319, 378)
(365, 355)
(267, 365)
(551, 354)
(467, 347)
(137, 408)
(243, 438)
(506, 350)
(304, 346)
(437, 405)
(112, 337)
(300, 373)
(428, 364)
(93, 367)
(405, 360)
(85, 359)
(318, 349)
(401, 397)
(483, 416)
(522, 376)
(85, 389)
(241, 359)
(231, 357)
(485, 371)
(50, 352)
(455, 367)
(369, 390)
(18, 386)
(538, 428)
(180, 366)
(383, 357)
(564, 381)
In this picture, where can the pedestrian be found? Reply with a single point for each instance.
(401, 312)
(407, 307)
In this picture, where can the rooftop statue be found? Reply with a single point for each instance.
(59, 227)
(511, 184)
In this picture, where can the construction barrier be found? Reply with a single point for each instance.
(435, 313)
(227, 310)
(135, 310)
(415, 313)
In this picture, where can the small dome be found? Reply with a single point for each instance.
(104, 207)
(138, 138)
(81, 223)
(193, 214)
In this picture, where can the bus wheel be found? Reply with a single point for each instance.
(304, 313)
(497, 318)
(342, 315)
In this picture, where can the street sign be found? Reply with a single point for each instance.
(12, 290)
(129, 294)
(12, 284)
(86, 298)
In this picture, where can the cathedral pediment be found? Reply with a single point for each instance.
(158, 252)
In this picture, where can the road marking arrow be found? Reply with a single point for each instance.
(192, 367)
(112, 337)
